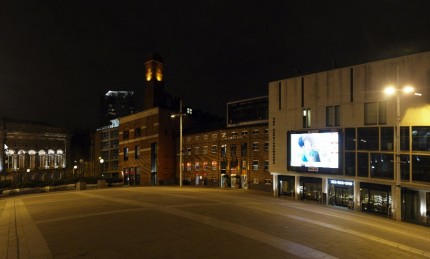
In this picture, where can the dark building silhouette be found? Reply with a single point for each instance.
(117, 104)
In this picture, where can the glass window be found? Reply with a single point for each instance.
(196, 150)
(197, 166)
(214, 149)
(224, 150)
(233, 149)
(244, 149)
(368, 138)
(382, 166)
(370, 113)
(255, 165)
(137, 152)
(421, 138)
(214, 165)
(266, 165)
(205, 149)
(205, 166)
(125, 153)
(337, 115)
(350, 163)
(255, 146)
(420, 168)
(126, 134)
(188, 151)
(363, 164)
(405, 167)
(137, 132)
(382, 112)
(306, 118)
(404, 138)
(266, 146)
(329, 115)
(188, 166)
(350, 139)
(387, 138)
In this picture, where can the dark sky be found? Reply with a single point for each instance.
(58, 57)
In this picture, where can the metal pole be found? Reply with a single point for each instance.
(180, 142)
(398, 203)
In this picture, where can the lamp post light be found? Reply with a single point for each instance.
(391, 90)
(101, 160)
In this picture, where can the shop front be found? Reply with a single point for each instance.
(341, 193)
(376, 198)
(286, 185)
(311, 189)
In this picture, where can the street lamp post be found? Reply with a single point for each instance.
(101, 160)
(390, 90)
(180, 114)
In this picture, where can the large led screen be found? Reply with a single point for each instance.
(314, 151)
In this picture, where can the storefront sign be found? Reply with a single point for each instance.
(341, 182)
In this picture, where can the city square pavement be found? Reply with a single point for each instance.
(173, 222)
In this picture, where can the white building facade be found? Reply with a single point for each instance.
(373, 150)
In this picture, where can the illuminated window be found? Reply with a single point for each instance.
(197, 166)
(255, 165)
(306, 118)
(188, 151)
(214, 149)
(205, 166)
(205, 149)
(214, 165)
(189, 166)
(137, 152)
(125, 153)
(196, 150)
(375, 113)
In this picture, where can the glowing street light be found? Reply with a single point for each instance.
(391, 90)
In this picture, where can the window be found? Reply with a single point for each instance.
(214, 165)
(137, 152)
(332, 116)
(214, 136)
(214, 149)
(197, 166)
(244, 149)
(255, 165)
(205, 149)
(350, 163)
(137, 132)
(421, 138)
(233, 149)
(223, 150)
(375, 113)
(234, 134)
(350, 139)
(363, 164)
(188, 166)
(306, 118)
(382, 166)
(420, 168)
(244, 165)
(196, 150)
(266, 131)
(387, 138)
(205, 137)
(205, 166)
(368, 138)
(244, 133)
(188, 139)
(255, 146)
(266, 146)
(188, 151)
(126, 134)
(266, 165)
(255, 132)
(125, 153)
(197, 138)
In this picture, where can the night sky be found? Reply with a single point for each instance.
(58, 57)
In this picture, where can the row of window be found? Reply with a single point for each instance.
(233, 135)
(35, 161)
(233, 149)
(136, 152)
(214, 165)
(375, 113)
(112, 134)
(412, 138)
(381, 165)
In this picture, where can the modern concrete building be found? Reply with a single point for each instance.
(106, 145)
(370, 151)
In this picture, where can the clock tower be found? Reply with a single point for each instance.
(154, 95)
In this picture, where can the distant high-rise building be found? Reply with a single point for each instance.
(117, 104)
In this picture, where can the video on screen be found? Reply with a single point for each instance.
(314, 150)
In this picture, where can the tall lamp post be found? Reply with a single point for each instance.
(180, 115)
(390, 90)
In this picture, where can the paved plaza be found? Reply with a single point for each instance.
(173, 222)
